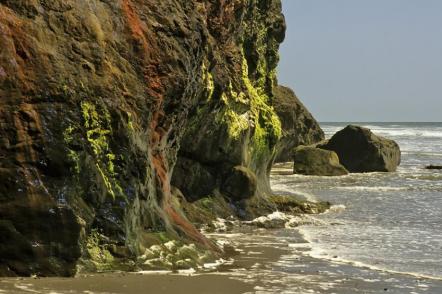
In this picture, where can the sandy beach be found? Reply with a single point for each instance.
(224, 280)
(128, 283)
(270, 262)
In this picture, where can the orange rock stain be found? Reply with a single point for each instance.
(155, 89)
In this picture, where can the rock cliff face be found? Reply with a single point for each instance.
(100, 100)
(235, 125)
(299, 127)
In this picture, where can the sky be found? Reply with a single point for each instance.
(364, 60)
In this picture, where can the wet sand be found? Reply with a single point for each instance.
(270, 262)
(128, 283)
(221, 281)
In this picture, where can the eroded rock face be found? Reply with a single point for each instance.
(194, 179)
(314, 161)
(360, 150)
(98, 97)
(235, 124)
(239, 184)
(299, 127)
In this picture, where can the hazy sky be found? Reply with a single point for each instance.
(365, 60)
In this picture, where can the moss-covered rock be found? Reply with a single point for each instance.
(293, 205)
(309, 160)
(98, 94)
(236, 125)
(360, 150)
(174, 255)
(102, 99)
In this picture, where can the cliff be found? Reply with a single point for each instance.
(299, 127)
(102, 103)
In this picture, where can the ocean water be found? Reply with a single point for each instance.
(388, 222)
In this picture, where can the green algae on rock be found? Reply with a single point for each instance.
(309, 160)
(106, 102)
(238, 126)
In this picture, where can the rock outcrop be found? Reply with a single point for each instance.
(100, 100)
(309, 160)
(236, 125)
(433, 166)
(359, 150)
(299, 127)
(240, 184)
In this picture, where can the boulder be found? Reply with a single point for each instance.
(240, 184)
(433, 166)
(359, 150)
(309, 160)
(299, 127)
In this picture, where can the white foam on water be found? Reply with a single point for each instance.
(153, 272)
(187, 272)
(409, 133)
(217, 263)
(307, 196)
(373, 188)
(293, 191)
(26, 288)
(371, 280)
(301, 245)
(336, 208)
(320, 253)
(225, 235)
